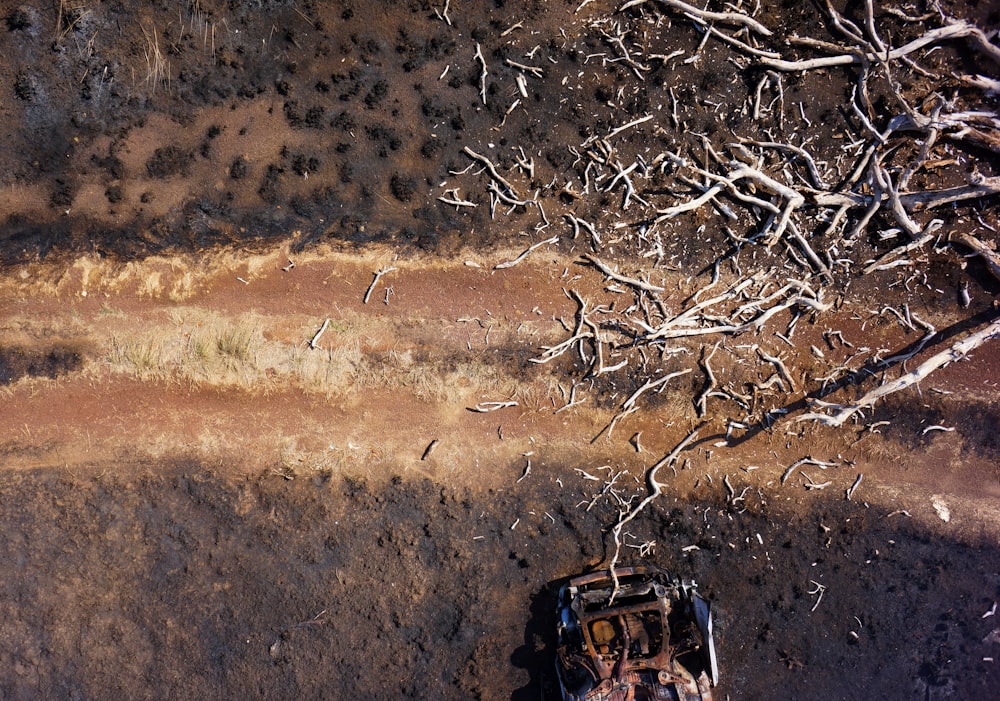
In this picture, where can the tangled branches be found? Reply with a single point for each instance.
(787, 212)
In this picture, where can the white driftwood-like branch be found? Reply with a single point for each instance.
(956, 29)
(629, 406)
(956, 352)
(631, 282)
(916, 201)
(378, 276)
(315, 338)
(656, 488)
(486, 407)
(529, 250)
(728, 18)
(483, 72)
(492, 170)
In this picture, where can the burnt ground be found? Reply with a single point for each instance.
(169, 580)
(168, 536)
(152, 127)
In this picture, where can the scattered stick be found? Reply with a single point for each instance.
(531, 70)
(451, 197)
(629, 406)
(819, 589)
(634, 123)
(780, 366)
(484, 407)
(709, 387)
(315, 339)
(525, 253)
(527, 471)
(633, 282)
(850, 490)
(443, 13)
(378, 276)
(788, 472)
(492, 170)
(483, 73)
(634, 440)
(429, 449)
(811, 484)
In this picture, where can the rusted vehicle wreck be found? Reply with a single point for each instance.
(635, 635)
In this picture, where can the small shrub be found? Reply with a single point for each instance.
(402, 187)
(239, 168)
(168, 161)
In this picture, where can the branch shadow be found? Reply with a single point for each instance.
(869, 369)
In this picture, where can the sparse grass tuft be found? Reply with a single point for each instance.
(157, 66)
(109, 311)
(237, 342)
(142, 357)
(209, 350)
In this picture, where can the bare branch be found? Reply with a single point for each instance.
(378, 276)
(492, 170)
(482, 76)
(632, 282)
(956, 352)
(656, 488)
(525, 253)
(708, 17)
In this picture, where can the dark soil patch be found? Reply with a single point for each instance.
(169, 161)
(16, 363)
(177, 582)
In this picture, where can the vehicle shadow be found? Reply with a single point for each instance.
(537, 654)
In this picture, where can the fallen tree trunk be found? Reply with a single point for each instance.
(956, 352)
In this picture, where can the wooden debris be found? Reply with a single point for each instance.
(656, 488)
(850, 490)
(315, 339)
(430, 448)
(526, 253)
(957, 351)
(484, 407)
(371, 287)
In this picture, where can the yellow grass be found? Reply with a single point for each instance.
(205, 349)
(254, 352)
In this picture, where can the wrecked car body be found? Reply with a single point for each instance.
(636, 634)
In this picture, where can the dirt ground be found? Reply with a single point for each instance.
(272, 418)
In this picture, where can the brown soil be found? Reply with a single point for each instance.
(201, 504)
